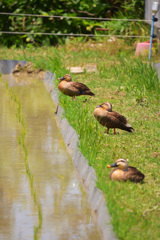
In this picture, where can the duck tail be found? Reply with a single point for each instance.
(138, 177)
(130, 129)
(91, 94)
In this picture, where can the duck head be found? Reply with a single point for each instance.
(66, 77)
(106, 105)
(120, 163)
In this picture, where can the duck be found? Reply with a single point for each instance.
(110, 119)
(123, 172)
(71, 88)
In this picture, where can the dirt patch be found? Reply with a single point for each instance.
(119, 93)
(87, 68)
(28, 70)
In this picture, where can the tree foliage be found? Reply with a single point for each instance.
(73, 8)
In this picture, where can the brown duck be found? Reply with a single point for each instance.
(123, 172)
(110, 119)
(73, 89)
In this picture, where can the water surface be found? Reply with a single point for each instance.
(64, 207)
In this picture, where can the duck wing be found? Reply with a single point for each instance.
(119, 117)
(81, 88)
(104, 118)
(133, 174)
(122, 121)
(111, 121)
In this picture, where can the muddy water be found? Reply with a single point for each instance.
(63, 205)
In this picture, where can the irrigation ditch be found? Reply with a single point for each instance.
(86, 174)
(22, 142)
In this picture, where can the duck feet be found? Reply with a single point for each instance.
(73, 98)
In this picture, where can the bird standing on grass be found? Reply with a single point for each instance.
(110, 119)
(73, 89)
(123, 172)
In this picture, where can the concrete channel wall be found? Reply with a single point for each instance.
(7, 66)
(86, 174)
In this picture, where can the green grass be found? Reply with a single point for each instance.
(133, 88)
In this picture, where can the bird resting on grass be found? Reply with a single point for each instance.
(123, 172)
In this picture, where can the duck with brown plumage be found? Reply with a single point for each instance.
(123, 172)
(111, 119)
(71, 88)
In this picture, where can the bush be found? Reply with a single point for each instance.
(73, 8)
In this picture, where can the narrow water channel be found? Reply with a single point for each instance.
(60, 201)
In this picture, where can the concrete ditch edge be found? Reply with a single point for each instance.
(86, 173)
(7, 66)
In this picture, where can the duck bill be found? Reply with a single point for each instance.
(62, 78)
(112, 165)
(98, 106)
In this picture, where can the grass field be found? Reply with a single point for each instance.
(133, 88)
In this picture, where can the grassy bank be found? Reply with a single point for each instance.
(132, 86)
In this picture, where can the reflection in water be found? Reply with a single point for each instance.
(65, 211)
